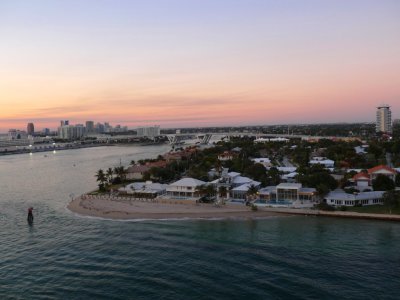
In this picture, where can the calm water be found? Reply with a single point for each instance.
(71, 257)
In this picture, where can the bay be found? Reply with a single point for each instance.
(65, 256)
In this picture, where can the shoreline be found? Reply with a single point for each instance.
(117, 208)
(335, 214)
(123, 208)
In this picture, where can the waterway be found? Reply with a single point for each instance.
(65, 256)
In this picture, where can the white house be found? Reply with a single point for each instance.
(341, 198)
(266, 162)
(184, 188)
(240, 192)
(363, 180)
(327, 163)
(288, 195)
(148, 188)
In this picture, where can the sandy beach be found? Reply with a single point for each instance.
(123, 209)
(120, 208)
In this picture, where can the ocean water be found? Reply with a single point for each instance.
(64, 256)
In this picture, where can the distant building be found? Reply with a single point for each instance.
(150, 131)
(107, 127)
(71, 132)
(46, 131)
(90, 127)
(30, 129)
(384, 119)
(99, 128)
(14, 134)
(226, 155)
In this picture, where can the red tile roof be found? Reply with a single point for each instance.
(360, 176)
(381, 167)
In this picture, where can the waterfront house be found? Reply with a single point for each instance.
(341, 198)
(290, 193)
(146, 189)
(240, 192)
(136, 171)
(184, 188)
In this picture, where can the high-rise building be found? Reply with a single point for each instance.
(71, 132)
(89, 127)
(64, 122)
(151, 131)
(383, 119)
(30, 129)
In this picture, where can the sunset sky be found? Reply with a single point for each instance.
(180, 63)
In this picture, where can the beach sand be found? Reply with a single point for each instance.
(116, 208)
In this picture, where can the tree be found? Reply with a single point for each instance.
(120, 172)
(252, 191)
(109, 175)
(101, 178)
(257, 172)
(391, 199)
(222, 190)
(383, 183)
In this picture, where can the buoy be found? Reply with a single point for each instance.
(30, 215)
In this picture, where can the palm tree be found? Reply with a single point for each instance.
(201, 190)
(121, 172)
(252, 191)
(109, 174)
(218, 167)
(222, 190)
(211, 190)
(101, 178)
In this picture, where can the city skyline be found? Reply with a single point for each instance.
(186, 64)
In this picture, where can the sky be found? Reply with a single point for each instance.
(189, 63)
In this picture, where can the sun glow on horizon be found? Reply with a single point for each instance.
(140, 64)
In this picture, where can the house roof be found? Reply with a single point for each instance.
(158, 163)
(188, 182)
(381, 167)
(289, 186)
(322, 162)
(245, 187)
(138, 169)
(340, 195)
(361, 176)
(233, 174)
(241, 179)
(287, 169)
(261, 160)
